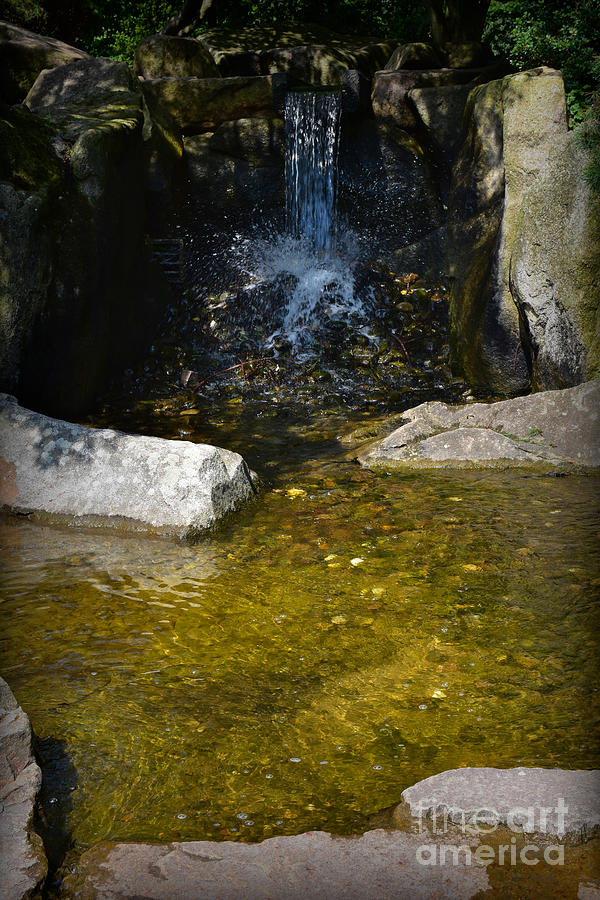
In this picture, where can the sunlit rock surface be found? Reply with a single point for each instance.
(22, 858)
(555, 269)
(557, 428)
(63, 469)
(551, 802)
(512, 124)
(316, 864)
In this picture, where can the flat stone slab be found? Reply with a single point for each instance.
(551, 428)
(56, 467)
(316, 865)
(202, 104)
(550, 802)
(22, 859)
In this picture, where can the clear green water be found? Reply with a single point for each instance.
(341, 637)
(345, 635)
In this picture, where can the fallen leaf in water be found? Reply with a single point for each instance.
(438, 695)
(469, 567)
(293, 493)
(330, 557)
(356, 561)
(339, 620)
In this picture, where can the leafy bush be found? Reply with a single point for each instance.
(550, 33)
(124, 25)
(589, 137)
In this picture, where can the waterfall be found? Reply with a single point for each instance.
(312, 123)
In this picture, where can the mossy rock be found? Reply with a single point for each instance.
(415, 55)
(162, 56)
(308, 54)
(513, 125)
(201, 104)
(23, 55)
(555, 270)
(29, 161)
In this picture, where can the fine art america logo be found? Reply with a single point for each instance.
(485, 821)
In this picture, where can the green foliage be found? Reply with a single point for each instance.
(550, 33)
(398, 19)
(589, 137)
(27, 13)
(124, 25)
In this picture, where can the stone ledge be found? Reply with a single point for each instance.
(549, 802)
(549, 429)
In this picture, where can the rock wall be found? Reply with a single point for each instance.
(79, 296)
(522, 249)
(554, 274)
(23, 863)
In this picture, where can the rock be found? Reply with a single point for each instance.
(548, 802)
(258, 141)
(356, 93)
(228, 187)
(84, 84)
(426, 256)
(555, 269)
(387, 189)
(162, 56)
(440, 112)
(201, 104)
(469, 55)
(513, 123)
(316, 865)
(24, 865)
(309, 55)
(391, 90)
(63, 469)
(308, 65)
(23, 55)
(552, 428)
(414, 56)
(74, 306)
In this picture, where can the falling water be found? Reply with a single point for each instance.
(312, 265)
(312, 122)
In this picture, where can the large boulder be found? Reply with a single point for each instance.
(416, 55)
(23, 55)
(79, 295)
(555, 269)
(201, 104)
(162, 56)
(307, 55)
(550, 428)
(391, 90)
(22, 857)
(55, 467)
(512, 125)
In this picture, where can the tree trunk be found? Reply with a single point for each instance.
(456, 21)
(192, 13)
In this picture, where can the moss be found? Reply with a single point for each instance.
(27, 157)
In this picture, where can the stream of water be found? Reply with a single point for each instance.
(343, 636)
